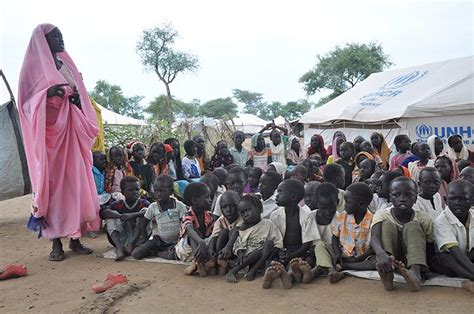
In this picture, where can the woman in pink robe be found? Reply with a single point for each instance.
(59, 127)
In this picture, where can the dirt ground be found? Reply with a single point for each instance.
(66, 286)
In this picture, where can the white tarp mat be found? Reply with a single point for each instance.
(14, 178)
(111, 254)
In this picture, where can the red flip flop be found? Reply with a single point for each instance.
(109, 282)
(13, 271)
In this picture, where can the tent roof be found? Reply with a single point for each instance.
(248, 123)
(429, 90)
(112, 118)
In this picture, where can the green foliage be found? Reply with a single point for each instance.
(111, 97)
(153, 131)
(157, 54)
(269, 111)
(342, 68)
(158, 109)
(295, 109)
(252, 101)
(220, 108)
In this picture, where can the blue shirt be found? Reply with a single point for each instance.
(99, 179)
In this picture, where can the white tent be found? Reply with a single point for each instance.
(435, 98)
(112, 118)
(247, 123)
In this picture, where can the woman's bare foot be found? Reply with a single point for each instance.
(271, 274)
(201, 268)
(222, 265)
(468, 285)
(305, 268)
(335, 276)
(230, 277)
(191, 269)
(285, 279)
(410, 277)
(119, 254)
(295, 268)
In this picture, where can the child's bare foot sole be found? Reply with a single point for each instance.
(223, 265)
(411, 280)
(230, 277)
(13, 271)
(305, 268)
(109, 282)
(335, 276)
(271, 274)
(387, 280)
(191, 269)
(296, 270)
(285, 279)
(468, 286)
(201, 268)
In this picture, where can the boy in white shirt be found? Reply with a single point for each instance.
(454, 235)
(429, 200)
(268, 184)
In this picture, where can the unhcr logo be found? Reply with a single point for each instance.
(404, 80)
(424, 131)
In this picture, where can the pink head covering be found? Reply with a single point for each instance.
(58, 137)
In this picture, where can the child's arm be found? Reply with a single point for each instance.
(201, 251)
(300, 252)
(212, 246)
(226, 252)
(140, 230)
(384, 264)
(336, 247)
(462, 259)
(108, 213)
(361, 258)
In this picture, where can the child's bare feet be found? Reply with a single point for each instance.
(230, 277)
(410, 277)
(251, 274)
(271, 274)
(191, 269)
(201, 268)
(305, 268)
(119, 254)
(386, 278)
(285, 279)
(211, 266)
(468, 286)
(222, 265)
(296, 270)
(335, 276)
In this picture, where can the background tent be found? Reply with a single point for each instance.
(14, 178)
(247, 123)
(112, 118)
(435, 98)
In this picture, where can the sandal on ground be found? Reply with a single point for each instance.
(54, 257)
(12, 271)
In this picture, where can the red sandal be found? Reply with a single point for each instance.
(109, 282)
(13, 271)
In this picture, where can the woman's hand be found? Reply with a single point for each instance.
(56, 90)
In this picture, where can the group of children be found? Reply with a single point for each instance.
(294, 214)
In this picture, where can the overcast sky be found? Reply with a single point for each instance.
(261, 46)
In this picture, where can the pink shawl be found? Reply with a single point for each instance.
(58, 137)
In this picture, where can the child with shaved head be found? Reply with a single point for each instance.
(268, 185)
(454, 235)
(429, 200)
(400, 235)
(297, 228)
(334, 173)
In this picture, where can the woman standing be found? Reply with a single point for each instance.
(59, 127)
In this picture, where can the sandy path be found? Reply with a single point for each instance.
(66, 286)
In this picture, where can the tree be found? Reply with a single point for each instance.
(111, 97)
(220, 108)
(342, 68)
(295, 109)
(269, 111)
(157, 54)
(252, 101)
(158, 108)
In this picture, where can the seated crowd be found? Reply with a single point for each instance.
(292, 213)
